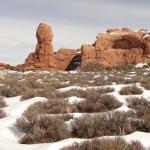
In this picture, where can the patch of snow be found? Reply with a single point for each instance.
(91, 81)
(147, 34)
(10, 135)
(27, 72)
(142, 137)
(74, 99)
(15, 107)
(140, 65)
(73, 72)
(123, 108)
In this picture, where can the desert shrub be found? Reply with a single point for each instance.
(11, 91)
(6, 91)
(106, 144)
(46, 129)
(92, 66)
(142, 108)
(100, 104)
(35, 109)
(2, 113)
(27, 139)
(49, 107)
(50, 82)
(27, 87)
(146, 83)
(126, 68)
(58, 106)
(10, 80)
(48, 92)
(135, 102)
(26, 123)
(118, 79)
(61, 106)
(146, 122)
(93, 93)
(31, 83)
(89, 126)
(141, 105)
(2, 102)
(29, 93)
(131, 90)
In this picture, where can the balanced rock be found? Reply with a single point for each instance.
(44, 57)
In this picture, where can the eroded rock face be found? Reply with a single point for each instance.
(117, 48)
(6, 66)
(44, 57)
(146, 43)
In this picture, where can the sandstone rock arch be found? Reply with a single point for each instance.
(127, 42)
(121, 44)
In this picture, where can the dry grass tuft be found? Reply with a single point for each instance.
(100, 104)
(2, 114)
(2, 102)
(43, 129)
(106, 144)
(131, 90)
(89, 126)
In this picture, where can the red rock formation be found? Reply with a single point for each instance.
(64, 58)
(5, 66)
(117, 48)
(146, 43)
(44, 58)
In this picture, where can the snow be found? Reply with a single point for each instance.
(74, 99)
(10, 135)
(140, 65)
(143, 137)
(123, 108)
(27, 72)
(147, 34)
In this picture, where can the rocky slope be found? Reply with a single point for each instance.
(115, 47)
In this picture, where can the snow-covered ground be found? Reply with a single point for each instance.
(10, 135)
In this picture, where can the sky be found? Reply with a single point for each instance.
(74, 22)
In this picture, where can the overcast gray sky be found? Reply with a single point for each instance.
(74, 22)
